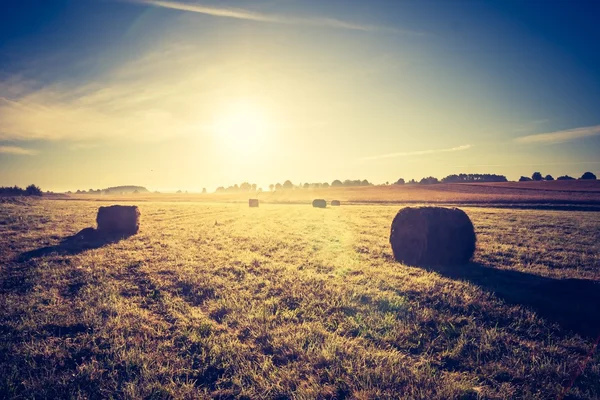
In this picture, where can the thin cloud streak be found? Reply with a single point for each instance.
(239, 13)
(132, 102)
(418, 153)
(17, 151)
(560, 136)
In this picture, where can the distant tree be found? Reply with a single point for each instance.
(11, 191)
(325, 185)
(387, 183)
(179, 191)
(245, 187)
(220, 189)
(548, 178)
(33, 190)
(30, 190)
(466, 178)
(123, 189)
(336, 183)
(253, 187)
(525, 179)
(588, 176)
(430, 180)
(271, 187)
(399, 182)
(411, 182)
(537, 176)
(565, 178)
(203, 190)
(288, 185)
(135, 191)
(306, 186)
(278, 186)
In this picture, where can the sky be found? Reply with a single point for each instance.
(185, 95)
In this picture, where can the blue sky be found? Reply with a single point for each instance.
(192, 94)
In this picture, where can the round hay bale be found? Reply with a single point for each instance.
(253, 202)
(335, 203)
(432, 236)
(320, 203)
(118, 220)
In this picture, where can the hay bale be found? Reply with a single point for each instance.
(432, 236)
(118, 220)
(253, 202)
(320, 203)
(335, 203)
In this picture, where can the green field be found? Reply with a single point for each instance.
(215, 300)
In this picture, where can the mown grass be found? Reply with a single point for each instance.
(287, 301)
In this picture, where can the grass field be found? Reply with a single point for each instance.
(216, 300)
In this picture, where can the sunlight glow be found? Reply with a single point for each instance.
(242, 127)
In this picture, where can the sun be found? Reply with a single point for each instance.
(243, 126)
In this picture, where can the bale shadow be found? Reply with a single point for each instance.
(573, 304)
(85, 239)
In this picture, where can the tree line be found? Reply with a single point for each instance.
(429, 180)
(288, 185)
(31, 190)
(537, 176)
(480, 178)
(454, 178)
(127, 189)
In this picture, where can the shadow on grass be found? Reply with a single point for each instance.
(86, 239)
(19, 275)
(574, 304)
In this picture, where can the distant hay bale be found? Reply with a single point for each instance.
(320, 203)
(433, 236)
(335, 203)
(118, 220)
(253, 202)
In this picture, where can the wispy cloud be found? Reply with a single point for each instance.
(560, 136)
(238, 13)
(418, 153)
(17, 150)
(136, 101)
(177, 90)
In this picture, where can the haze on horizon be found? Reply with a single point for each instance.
(191, 94)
